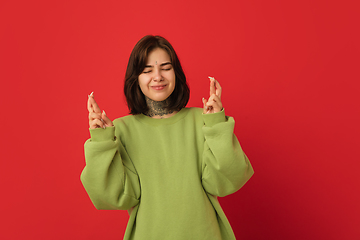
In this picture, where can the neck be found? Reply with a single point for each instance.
(158, 109)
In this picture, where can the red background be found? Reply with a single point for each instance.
(290, 77)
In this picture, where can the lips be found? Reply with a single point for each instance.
(158, 87)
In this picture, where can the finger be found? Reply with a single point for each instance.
(205, 108)
(218, 89)
(93, 103)
(106, 120)
(96, 123)
(217, 99)
(214, 108)
(93, 116)
(89, 106)
(213, 99)
(212, 86)
(214, 104)
(217, 106)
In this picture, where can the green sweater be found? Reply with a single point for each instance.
(167, 173)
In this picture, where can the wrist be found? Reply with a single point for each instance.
(101, 134)
(210, 119)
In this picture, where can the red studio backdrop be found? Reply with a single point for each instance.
(290, 77)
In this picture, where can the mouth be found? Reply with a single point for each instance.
(158, 87)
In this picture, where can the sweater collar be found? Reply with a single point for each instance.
(164, 121)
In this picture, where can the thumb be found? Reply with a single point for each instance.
(107, 120)
(205, 108)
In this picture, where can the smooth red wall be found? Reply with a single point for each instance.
(290, 77)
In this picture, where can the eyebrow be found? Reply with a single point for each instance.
(161, 65)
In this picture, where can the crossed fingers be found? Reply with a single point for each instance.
(213, 104)
(97, 119)
(92, 106)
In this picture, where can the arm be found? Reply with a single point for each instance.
(225, 167)
(109, 176)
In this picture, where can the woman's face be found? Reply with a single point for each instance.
(157, 81)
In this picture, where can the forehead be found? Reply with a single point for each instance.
(159, 55)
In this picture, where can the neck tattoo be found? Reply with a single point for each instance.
(158, 109)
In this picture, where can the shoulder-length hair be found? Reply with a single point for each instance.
(134, 96)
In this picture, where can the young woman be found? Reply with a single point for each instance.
(165, 163)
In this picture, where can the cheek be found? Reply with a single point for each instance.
(172, 77)
(143, 82)
(141, 85)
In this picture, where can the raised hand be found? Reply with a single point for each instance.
(213, 104)
(97, 119)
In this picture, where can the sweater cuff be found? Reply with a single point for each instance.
(100, 134)
(211, 119)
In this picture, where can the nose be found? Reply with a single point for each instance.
(157, 75)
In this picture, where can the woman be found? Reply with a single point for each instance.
(164, 163)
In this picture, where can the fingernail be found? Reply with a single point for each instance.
(103, 123)
(91, 94)
(104, 112)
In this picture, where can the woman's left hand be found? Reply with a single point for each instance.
(213, 104)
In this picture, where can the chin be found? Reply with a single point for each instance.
(158, 99)
(159, 96)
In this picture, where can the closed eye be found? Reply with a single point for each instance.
(167, 66)
(147, 70)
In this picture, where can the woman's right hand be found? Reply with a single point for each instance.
(97, 119)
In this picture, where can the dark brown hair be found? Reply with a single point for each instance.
(134, 97)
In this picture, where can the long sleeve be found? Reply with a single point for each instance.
(225, 167)
(109, 176)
